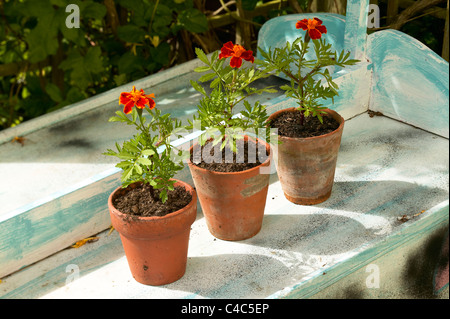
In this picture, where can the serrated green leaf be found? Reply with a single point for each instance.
(198, 87)
(207, 77)
(134, 114)
(125, 156)
(163, 195)
(201, 55)
(214, 83)
(214, 57)
(123, 165)
(147, 152)
(144, 161)
(115, 119)
(138, 168)
(202, 69)
(127, 174)
(131, 148)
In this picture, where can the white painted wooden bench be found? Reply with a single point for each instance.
(388, 209)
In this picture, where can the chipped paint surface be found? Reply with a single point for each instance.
(412, 88)
(355, 28)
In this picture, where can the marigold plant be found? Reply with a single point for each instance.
(312, 80)
(230, 85)
(148, 157)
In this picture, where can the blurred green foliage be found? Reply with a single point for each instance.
(45, 65)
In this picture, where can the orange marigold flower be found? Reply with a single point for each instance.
(314, 27)
(136, 98)
(237, 53)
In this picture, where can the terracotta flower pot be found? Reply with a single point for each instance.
(306, 166)
(156, 247)
(233, 203)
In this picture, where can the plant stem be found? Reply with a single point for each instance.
(301, 80)
(302, 117)
(153, 16)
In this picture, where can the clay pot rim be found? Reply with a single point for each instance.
(329, 111)
(250, 170)
(151, 218)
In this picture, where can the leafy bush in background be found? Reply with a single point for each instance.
(44, 65)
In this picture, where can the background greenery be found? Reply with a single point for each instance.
(44, 65)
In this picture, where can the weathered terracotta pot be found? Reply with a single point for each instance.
(233, 203)
(156, 247)
(306, 166)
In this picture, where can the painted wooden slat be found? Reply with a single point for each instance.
(371, 253)
(411, 82)
(356, 28)
(41, 230)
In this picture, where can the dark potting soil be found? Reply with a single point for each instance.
(142, 200)
(288, 124)
(223, 166)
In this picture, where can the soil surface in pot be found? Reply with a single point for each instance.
(288, 124)
(230, 167)
(142, 200)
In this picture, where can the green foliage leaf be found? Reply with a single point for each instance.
(92, 60)
(207, 77)
(202, 56)
(148, 152)
(126, 174)
(131, 33)
(144, 161)
(249, 4)
(54, 92)
(215, 83)
(193, 20)
(198, 87)
(161, 54)
(129, 63)
(83, 67)
(93, 10)
(42, 40)
(120, 79)
(202, 69)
